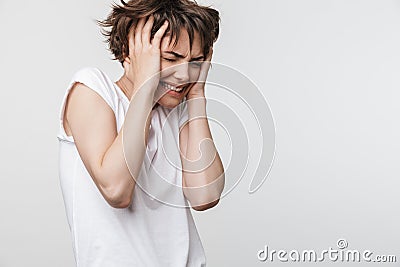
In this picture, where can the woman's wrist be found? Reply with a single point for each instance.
(197, 106)
(197, 95)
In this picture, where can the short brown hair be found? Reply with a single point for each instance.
(179, 13)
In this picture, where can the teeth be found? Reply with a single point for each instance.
(170, 87)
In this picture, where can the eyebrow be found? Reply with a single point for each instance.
(181, 56)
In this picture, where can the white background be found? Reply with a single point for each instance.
(331, 73)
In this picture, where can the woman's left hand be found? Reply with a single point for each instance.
(197, 89)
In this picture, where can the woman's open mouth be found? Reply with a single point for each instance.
(172, 90)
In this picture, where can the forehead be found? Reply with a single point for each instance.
(183, 44)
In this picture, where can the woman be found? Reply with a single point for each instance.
(119, 212)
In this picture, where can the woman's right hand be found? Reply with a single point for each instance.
(143, 61)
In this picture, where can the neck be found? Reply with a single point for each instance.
(126, 86)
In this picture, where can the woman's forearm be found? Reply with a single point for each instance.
(122, 162)
(203, 167)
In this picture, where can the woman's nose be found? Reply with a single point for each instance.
(181, 72)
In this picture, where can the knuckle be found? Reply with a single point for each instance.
(148, 50)
(137, 50)
(154, 49)
(156, 39)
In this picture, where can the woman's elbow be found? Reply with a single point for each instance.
(206, 206)
(119, 198)
(118, 202)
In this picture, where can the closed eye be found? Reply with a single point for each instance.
(196, 63)
(192, 63)
(169, 59)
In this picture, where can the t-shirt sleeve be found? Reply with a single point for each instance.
(94, 79)
(183, 113)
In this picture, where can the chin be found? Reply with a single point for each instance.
(168, 101)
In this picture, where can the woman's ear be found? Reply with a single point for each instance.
(127, 64)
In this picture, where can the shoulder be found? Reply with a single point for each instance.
(98, 81)
(94, 75)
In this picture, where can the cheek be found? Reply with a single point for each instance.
(194, 74)
(166, 68)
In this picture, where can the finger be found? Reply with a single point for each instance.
(159, 34)
(131, 42)
(210, 53)
(138, 33)
(147, 30)
(204, 72)
(205, 66)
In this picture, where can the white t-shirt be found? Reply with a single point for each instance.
(147, 233)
